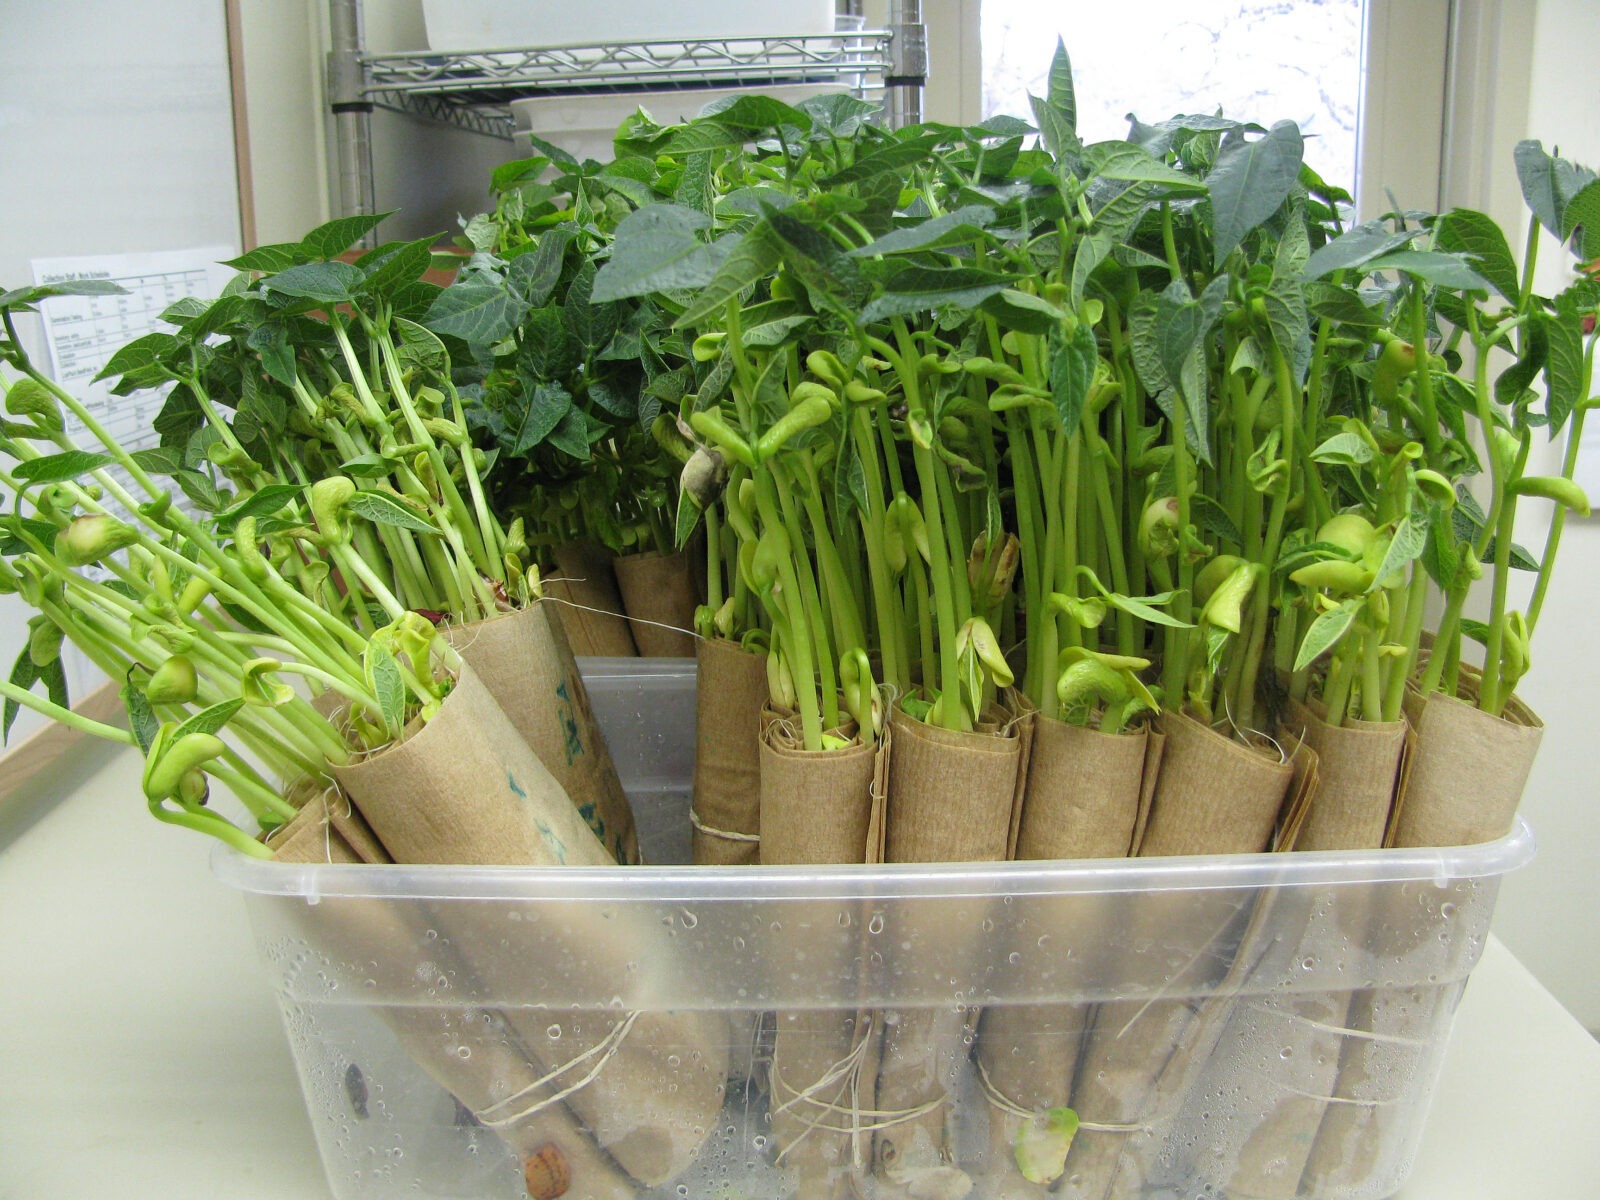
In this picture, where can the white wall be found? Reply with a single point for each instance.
(1549, 914)
(116, 135)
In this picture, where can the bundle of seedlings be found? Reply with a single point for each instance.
(1144, 423)
(573, 398)
(281, 579)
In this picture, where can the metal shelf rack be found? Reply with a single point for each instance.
(473, 90)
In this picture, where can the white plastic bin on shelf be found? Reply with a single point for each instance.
(460, 25)
(585, 126)
(1403, 926)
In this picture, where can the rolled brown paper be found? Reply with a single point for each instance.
(525, 663)
(730, 692)
(951, 798)
(585, 589)
(659, 598)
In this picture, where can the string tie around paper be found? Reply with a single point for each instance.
(606, 612)
(1005, 1104)
(604, 1049)
(862, 1120)
(725, 834)
(1343, 1030)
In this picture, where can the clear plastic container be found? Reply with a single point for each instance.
(1258, 948)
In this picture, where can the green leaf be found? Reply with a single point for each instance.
(953, 228)
(1356, 247)
(919, 289)
(1536, 174)
(202, 493)
(751, 259)
(146, 351)
(1564, 373)
(270, 340)
(12, 531)
(1477, 237)
(387, 684)
(269, 259)
(1326, 631)
(775, 333)
(1250, 182)
(536, 274)
(24, 296)
(1134, 164)
(1433, 266)
(367, 466)
(592, 325)
(339, 234)
(892, 158)
(695, 190)
(1582, 212)
(383, 509)
(1345, 449)
(324, 282)
(1409, 540)
(1073, 357)
(57, 468)
(546, 405)
(1441, 557)
(837, 114)
(262, 504)
(658, 248)
(1212, 518)
(142, 720)
(207, 720)
(756, 112)
(1341, 305)
(23, 675)
(571, 435)
(477, 310)
(395, 263)
(688, 518)
(548, 351)
(1057, 113)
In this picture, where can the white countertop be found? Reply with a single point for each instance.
(141, 1054)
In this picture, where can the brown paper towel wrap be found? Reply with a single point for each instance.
(1213, 795)
(524, 661)
(951, 798)
(379, 941)
(659, 598)
(816, 807)
(730, 692)
(465, 789)
(585, 589)
(1283, 1051)
(1465, 778)
(1084, 794)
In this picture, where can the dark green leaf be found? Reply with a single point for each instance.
(1357, 246)
(269, 259)
(536, 274)
(1441, 557)
(546, 405)
(270, 340)
(260, 504)
(591, 324)
(751, 259)
(1410, 538)
(1024, 311)
(571, 435)
(147, 351)
(339, 234)
(838, 114)
(1073, 357)
(1432, 266)
(548, 351)
(893, 158)
(1134, 164)
(613, 399)
(1250, 182)
(1341, 305)
(701, 136)
(324, 282)
(953, 228)
(395, 263)
(1564, 374)
(688, 518)
(381, 508)
(367, 466)
(918, 289)
(756, 112)
(57, 468)
(201, 491)
(1057, 115)
(1326, 631)
(658, 248)
(1212, 518)
(1583, 213)
(142, 720)
(1536, 174)
(1477, 237)
(23, 675)
(476, 310)
(21, 297)
(207, 720)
